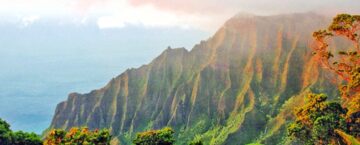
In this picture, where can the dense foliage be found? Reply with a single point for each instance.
(317, 120)
(163, 136)
(323, 122)
(8, 137)
(5, 132)
(78, 136)
(196, 142)
(346, 63)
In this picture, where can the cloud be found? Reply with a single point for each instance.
(198, 14)
(39, 7)
(210, 14)
(217, 7)
(83, 6)
(189, 6)
(216, 11)
(148, 16)
(28, 20)
(110, 22)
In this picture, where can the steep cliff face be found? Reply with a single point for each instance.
(237, 87)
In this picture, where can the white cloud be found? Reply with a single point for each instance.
(39, 7)
(110, 22)
(149, 16)
(199, 14)
(28, 20)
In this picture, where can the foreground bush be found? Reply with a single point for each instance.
(8, 137)
(78, 136)
(164, 136)
(317, 120)
(323, 122)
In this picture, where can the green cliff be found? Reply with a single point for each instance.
(237, 87)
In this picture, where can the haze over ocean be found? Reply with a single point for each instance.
(42, 63)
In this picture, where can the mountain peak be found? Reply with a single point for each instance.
(171, 53)
(174, 50)
(246, 16)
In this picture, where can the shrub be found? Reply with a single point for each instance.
(78, 136)
(163, 136)
(8, 137)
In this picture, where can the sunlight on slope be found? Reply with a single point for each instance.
(126, 93)
(259, 70)
(236, 118)
(277, 59)
(235, 121)
(193, 96)
(284, 75)
(311, 72)
(274, 125)
(114, 102)
(247, 75)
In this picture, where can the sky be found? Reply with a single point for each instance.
(200, 14)
(50, 48)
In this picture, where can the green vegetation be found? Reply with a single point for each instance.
(8, 137)
(317, 120)
(78, 136)
(345, 65)
(230, 89)
(163, 136)
(323, 122)
(197, 142)
(56, 137)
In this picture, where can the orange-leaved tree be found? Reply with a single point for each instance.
(324, 122)
(345, 64)
(163, 136)
(78, 136)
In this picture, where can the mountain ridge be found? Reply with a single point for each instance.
(237, 86)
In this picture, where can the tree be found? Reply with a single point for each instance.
(5, 132)
(55, 137)
(164, 136)
(8, 137)
(346, 63)
(323, 122)
(23, 138)
(78, 136)
(317, 120)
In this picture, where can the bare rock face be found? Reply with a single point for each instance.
(237, 87)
